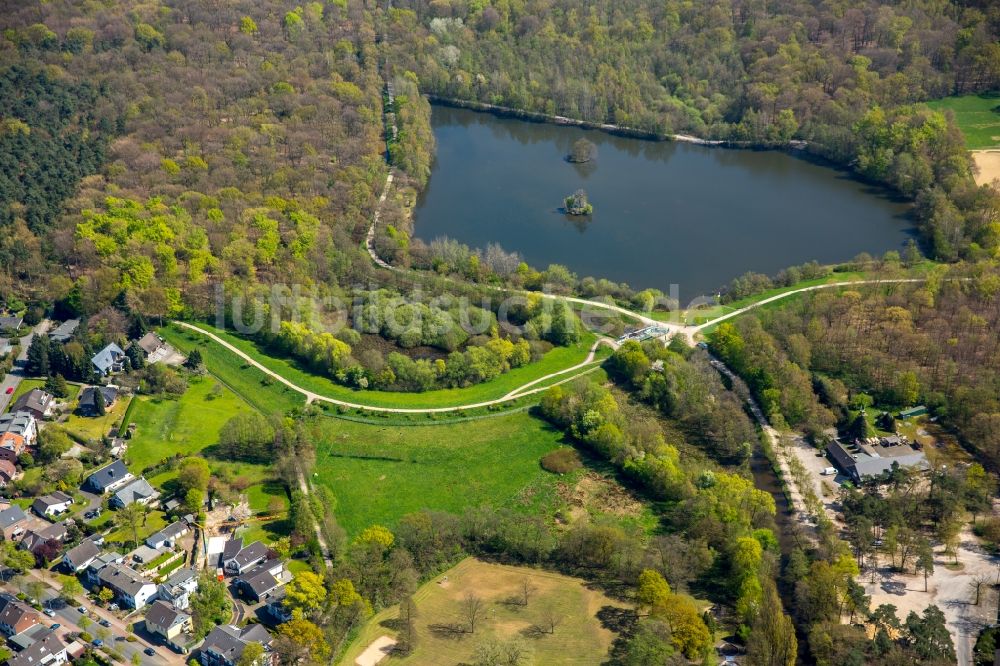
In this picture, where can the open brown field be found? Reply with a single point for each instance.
(580, 639)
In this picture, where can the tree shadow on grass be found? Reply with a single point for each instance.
(619, 620)
(449, 630)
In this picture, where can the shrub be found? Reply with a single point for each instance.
(561, 461)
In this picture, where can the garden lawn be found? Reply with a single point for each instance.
(559, 358)
(167, 426)
(579, 639)
(978, 116)
(28, 384)
(88, 428)
(380, 473)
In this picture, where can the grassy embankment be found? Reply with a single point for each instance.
(579, 639)
(559, 358)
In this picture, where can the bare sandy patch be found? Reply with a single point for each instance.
(988, 162)
(376, 652)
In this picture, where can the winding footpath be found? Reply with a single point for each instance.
(312, 396)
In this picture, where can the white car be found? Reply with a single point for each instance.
(49, 612)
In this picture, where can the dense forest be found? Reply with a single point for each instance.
(847, 77)
(930, 343)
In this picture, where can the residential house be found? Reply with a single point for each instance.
(87, 402)
(8, 472)
(138, 491)
(64, 332)
(109, 478)
(130, 588)
(179, 587)
(36, 402)
(168, 536)
(34, 540)
(225, 644)
(276, 607)
(237, 558)
(13, 523)
(16, 616)
(18, 431)
(12, 322)
(77, 559)
(46, 649)
(48, 506)
(109, 360)
(169, 623)
(153, 346)
(261, 582)
(93, 571)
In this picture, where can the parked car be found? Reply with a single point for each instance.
(149, 652)
(97, 642)
(10, 389)
(104, 623)
(82, 610)
(55, 626)
(829, 471)
(49, 612)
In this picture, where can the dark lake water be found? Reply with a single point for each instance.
(664, 213)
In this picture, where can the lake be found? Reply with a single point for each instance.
(664, 212)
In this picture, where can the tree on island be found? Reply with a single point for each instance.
(582, 151)
(577, 204)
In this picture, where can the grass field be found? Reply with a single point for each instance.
(978, 116)
(166, 426)
(579, 639)
(380, 473)
(557, 359)
(261, 391)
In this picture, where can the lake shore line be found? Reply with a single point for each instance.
(610, 128)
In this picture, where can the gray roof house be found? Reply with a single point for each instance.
(36, 402)
(237, 559)
(87, 402)
(169, 535)
(46, 649)
(178, 588)
(225, 644)
(52, 505)
(261, 582)
(109, 478)
(77, 559)
(129, 586)
(153, 346)
(12, 522)
(11, 321)
(138, 490)
(97, 565)
(64, 331)
(109, 360)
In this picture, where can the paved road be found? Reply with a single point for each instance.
(69, 618)
(14, 377)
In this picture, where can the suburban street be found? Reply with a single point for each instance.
(14, 377)
(68, 617)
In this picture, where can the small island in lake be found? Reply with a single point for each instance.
(583, 151)
(577, 204)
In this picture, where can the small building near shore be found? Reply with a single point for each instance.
(865, 460)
